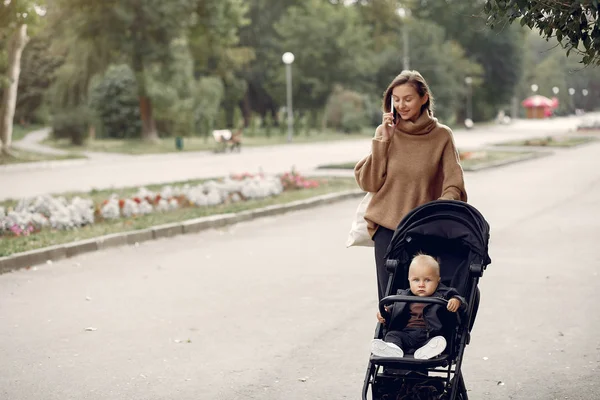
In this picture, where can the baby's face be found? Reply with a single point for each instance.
(423, 280)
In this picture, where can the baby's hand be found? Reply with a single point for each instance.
(453, 304)
(380, 318)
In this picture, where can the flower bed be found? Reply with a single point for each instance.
(30, 216)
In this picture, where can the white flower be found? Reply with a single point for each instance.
(111, 209)
(213, 198)
(173, 204)
(167, 192)
(144, 193)
(163, 205)
(130, 208)
(145, 208)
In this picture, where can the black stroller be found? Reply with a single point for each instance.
(456, 234)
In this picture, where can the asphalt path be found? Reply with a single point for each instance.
(277, 308)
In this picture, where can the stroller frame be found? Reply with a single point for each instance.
(398, 378)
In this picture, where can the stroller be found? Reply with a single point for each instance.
(457, 235)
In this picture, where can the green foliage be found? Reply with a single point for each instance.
(172, 87)
(208, 95)
(331, 47)
(114, 100)
(548, 66)
(72, 125)
(575, 24)
(346, 111)
(268, 124)
(38, 66)
(498, 52)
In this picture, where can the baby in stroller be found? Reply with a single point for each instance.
(419, 328)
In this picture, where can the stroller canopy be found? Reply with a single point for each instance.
(447, 219)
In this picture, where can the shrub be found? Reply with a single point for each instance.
(345, 111)
(115, 102)
(72, 125)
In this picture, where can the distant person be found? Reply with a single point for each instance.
(413, 161)
(419, 328)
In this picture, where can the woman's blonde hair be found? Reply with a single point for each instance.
(417, 81)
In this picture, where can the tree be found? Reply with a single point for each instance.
(38, 68)
(498, 51)
(137, 32)
(573, 23)
(331, 47)
(261, 37)
(14, 19)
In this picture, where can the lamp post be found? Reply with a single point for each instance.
(403, 13)
(534, 88)
(288, 59)
(469, 119)
(571, 93)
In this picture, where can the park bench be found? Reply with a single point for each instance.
(227, 140)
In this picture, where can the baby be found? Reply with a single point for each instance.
(411, 325)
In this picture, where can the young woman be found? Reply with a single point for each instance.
(413, 161)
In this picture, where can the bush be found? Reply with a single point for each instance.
(115, 102)
(346, 111)
(72, 125)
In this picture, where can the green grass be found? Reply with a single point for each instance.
(19, 131)
(551, 141)
(195, 143)
(467, 164)
(12, 245)
(22, 156)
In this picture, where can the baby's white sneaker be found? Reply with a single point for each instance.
(433, 348)
(380, 348)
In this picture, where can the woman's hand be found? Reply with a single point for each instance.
(453, 304)
(386, 129)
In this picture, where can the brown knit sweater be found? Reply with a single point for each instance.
(418, 164)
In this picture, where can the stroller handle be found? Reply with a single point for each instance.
(409, 299)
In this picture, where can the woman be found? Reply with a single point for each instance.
(413, 161)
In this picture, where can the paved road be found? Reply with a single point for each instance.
(100, 173)
(272, 302)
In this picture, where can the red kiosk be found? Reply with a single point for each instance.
(539, 106)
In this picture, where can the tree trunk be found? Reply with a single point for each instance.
(148, 125)
(9, 99)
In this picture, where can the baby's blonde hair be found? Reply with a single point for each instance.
(425, 259)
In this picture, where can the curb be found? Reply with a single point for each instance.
(59, 252)
(493, 164)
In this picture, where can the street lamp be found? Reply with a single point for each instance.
(469, 120)
(403, 13)
(288, 59)
(555, 90)
(534, 88)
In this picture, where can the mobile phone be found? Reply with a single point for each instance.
(393, 111)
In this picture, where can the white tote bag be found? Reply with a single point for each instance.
(359, 236)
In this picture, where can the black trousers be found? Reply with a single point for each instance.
(382, 238)
(408, 339)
